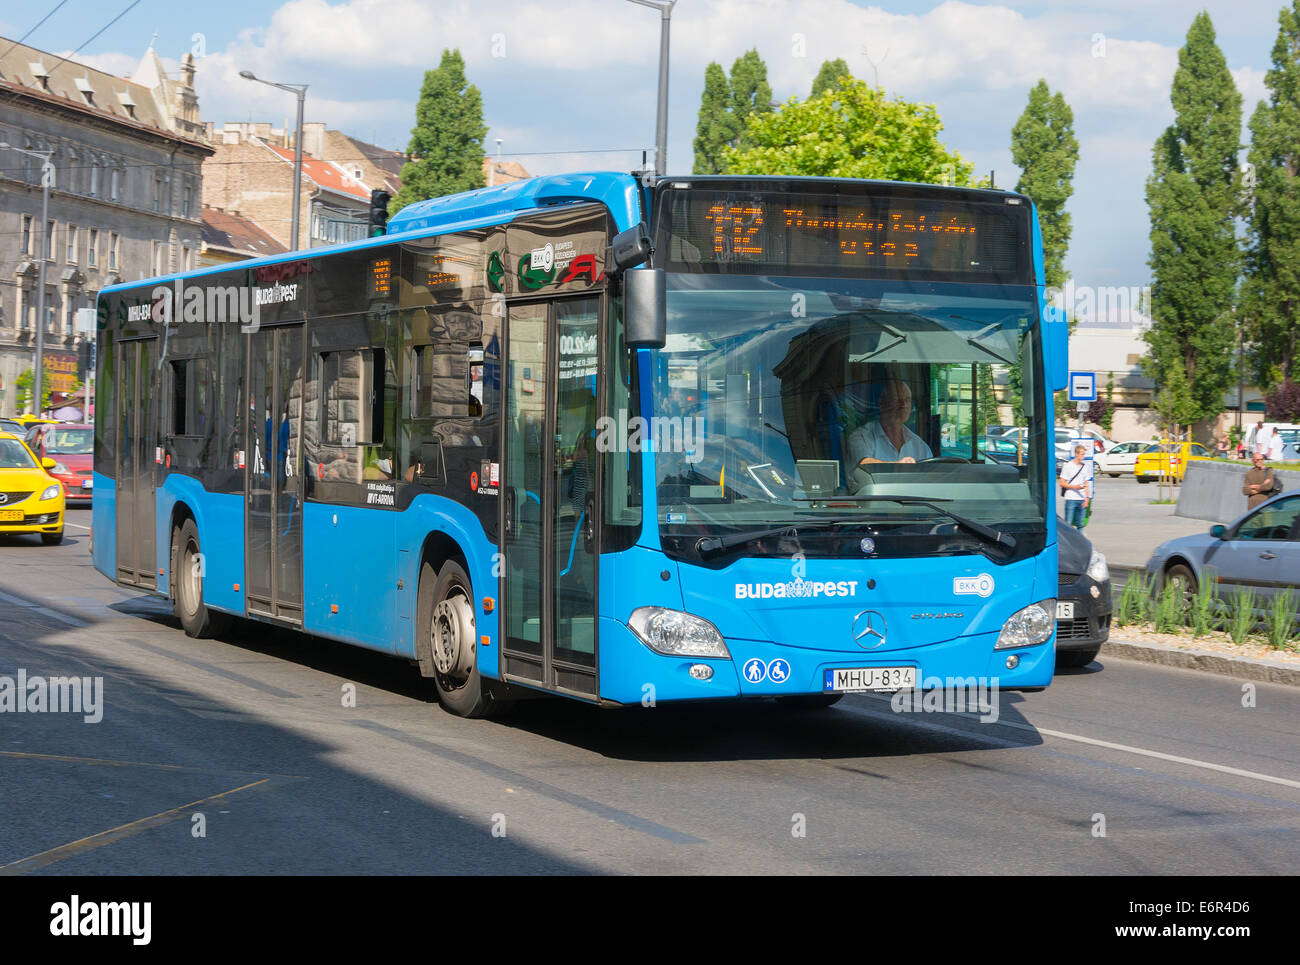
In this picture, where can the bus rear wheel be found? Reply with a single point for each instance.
(187, 585)
(446, 617)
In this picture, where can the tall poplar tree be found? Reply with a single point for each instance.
(717, 125)
(828, 77)
(1272, 288)
(446, 149)
(1193, 196)
(724, 107)
(1045, 149)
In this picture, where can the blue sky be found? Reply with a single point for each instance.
(574, 76)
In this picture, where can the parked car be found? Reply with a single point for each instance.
(1120, 458)
(1260, 551)
(72, 447)
(1083, 598)
(1168, 459)
(12, 426)
(31, 501)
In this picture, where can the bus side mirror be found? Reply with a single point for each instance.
(1056, 334)
(645, 314)
(628, 249)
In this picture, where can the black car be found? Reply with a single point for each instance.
(1083, 599)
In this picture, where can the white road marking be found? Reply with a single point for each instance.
(1062, 735)
(78, 525)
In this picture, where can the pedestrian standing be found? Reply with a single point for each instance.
(1076, 487)
(1275, 445)
(1259, 482)
(1260, 442)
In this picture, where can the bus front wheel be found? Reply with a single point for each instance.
(187, 585)
(446, 614)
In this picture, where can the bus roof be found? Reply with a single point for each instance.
(458, 212)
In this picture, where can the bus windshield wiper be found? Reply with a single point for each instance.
(708, 546)
(979, 529)
(966, 523)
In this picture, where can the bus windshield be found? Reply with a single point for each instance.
(809, 402)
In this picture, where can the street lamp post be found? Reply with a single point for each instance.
(301, 91)
(47, 182)
(665, 8)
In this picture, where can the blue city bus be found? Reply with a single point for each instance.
(612, 437)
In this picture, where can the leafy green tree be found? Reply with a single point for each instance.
(1271, 292)
(828, 78)
(853, 131)
(987, 401)
(724, 106)
(750, 92)
(446, 148)
(1045, 149)
(24, 386)
(1193, 197)
(717, 126)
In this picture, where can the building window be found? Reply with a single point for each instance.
(72, 244)
(92, 242)
(185, 258)
(27, 235)
(94, 179)
(115, 185)
(157, 194)
(187, 198)
(112, 251)
(49, 241)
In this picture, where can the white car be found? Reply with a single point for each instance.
(1119, 459)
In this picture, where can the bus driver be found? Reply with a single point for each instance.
(888, 439)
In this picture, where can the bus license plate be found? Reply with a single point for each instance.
(11, 515)
(857, 680)
(1065, 609)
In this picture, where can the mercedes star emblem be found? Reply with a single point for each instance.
(869, 629)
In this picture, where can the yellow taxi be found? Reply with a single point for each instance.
(31, 500)
(1168, 459)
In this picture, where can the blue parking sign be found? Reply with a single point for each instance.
(1083, 386)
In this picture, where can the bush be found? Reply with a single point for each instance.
(1133, 599)
(1280, 623)
(1170, 609)
(1242, 618)
(1204, 607)
(1282, 402)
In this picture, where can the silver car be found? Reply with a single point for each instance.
(1260, 551)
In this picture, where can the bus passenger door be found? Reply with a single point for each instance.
(136, 363)
(273, 477)
(550, 495)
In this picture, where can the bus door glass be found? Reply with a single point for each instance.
(137, 456)
(549, 489)
(273, 504)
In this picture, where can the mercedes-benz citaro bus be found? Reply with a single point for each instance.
(621, 439)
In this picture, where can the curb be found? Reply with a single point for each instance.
(1206, 661)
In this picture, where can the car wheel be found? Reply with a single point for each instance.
(1113, 475)
(187, 586)
(1180, 575)
(1077, 658)
(1143, 480)
(52, 539)
(446, 615)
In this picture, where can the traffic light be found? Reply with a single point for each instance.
(377, 224)
(84, 363)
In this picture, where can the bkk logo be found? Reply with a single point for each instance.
(981, 586)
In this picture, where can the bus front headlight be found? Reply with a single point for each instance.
(677, 634)
(1028, 627)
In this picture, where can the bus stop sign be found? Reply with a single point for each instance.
(1083, 386)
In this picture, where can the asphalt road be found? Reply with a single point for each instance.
(251, 732)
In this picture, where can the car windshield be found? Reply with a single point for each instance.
(69, 442)
(797, 400)
(14, 455)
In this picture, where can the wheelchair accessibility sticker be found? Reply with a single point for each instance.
(755, 670)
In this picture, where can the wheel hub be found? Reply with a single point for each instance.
(452, 636)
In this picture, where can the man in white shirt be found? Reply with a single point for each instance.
(888, 439)
(1076, 484)
(1275, 445)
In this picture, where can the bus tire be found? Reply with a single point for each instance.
(187, 586)
(446, 617)
(809, 701)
